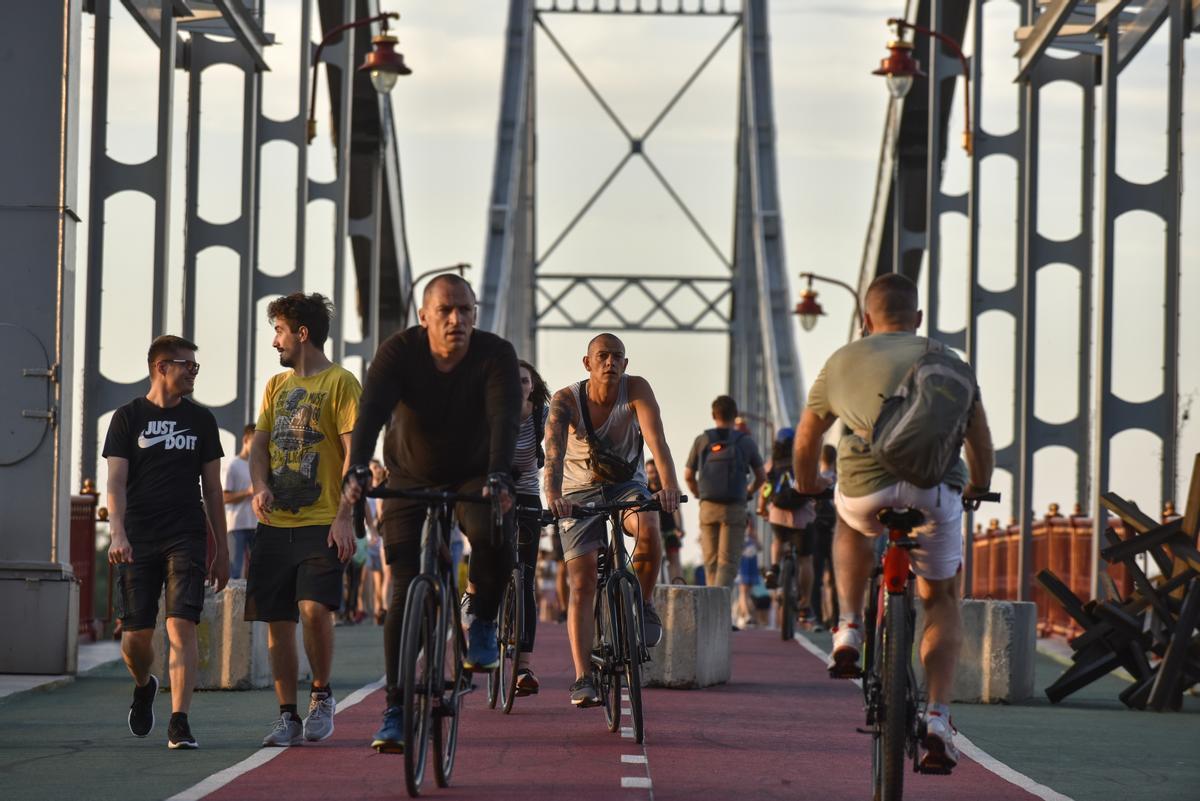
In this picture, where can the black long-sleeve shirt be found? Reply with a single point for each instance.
(445, 427)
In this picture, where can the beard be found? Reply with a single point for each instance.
(285, 360)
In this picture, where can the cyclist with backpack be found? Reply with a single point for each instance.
(903, 453)
(724, 469)
(789, 517)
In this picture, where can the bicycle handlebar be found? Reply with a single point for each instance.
(543, 517)
(637, 504)
(427, 497)
(971, 502)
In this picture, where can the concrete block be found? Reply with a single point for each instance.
(40, 603)
(995, 665)
(694, 651)
(233, 651)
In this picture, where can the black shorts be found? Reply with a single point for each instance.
(289, 565)
(803, 537)
(176, 561)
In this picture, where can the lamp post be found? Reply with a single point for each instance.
(383, 63)
(809, 310)
(899, 68)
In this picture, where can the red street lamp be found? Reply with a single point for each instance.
(900, 68)
(808, 309)
(383, 63)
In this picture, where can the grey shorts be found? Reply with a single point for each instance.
(581, 536)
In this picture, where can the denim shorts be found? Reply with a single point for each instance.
(581, 536)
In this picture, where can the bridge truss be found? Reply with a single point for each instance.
(1095, 41)
(751, 303)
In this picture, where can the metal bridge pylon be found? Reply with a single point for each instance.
(750, 303)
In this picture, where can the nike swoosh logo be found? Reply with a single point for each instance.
(146, 442)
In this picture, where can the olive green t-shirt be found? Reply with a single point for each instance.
(852, 386)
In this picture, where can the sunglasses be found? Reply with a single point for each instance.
(189, 365)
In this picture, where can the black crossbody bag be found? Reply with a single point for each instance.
(606, 466)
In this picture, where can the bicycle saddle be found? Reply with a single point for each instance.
(900, 519)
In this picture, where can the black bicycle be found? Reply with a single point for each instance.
(789, 577)
(432, 643)
(502, 680)
(619, 649)
(895, 704)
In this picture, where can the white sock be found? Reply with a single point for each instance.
(939, 709)
(846, 619)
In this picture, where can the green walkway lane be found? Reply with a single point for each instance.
(73, 743)
(1090, 747)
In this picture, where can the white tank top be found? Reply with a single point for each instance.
(620, 431)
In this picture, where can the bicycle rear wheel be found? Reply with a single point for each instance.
(891, 733)
(446, 715)
(422, 677)
(787, 598)
(631, 645)
(511, 611)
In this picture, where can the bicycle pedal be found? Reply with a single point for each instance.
(845, 672)
(864, 731)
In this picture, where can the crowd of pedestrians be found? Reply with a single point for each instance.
(464, 414)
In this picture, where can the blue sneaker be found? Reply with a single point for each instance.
(390, 737)
(483, 652)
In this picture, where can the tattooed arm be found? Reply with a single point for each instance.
(558, 423)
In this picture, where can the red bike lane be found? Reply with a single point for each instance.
(780, 730)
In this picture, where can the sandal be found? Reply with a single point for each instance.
(527, 682)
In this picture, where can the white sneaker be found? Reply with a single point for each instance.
(319, 723)
(940, 753)
(287, 731)
(847, 645)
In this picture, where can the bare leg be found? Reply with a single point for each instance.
(853, 557)
(581, 624)
(560, 583)
(805, 580)
(281, 644)
(184, 662)
(674, 567)
(138, 651)
(647, 553)
(943, 635)
(318, 640)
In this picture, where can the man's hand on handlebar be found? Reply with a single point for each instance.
(355, 482)
(973, 496)
(506, 496)
(561, 507)
(668, 499)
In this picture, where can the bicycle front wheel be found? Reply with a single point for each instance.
(446, 715)
(422, 678)
(787, 599)
(892, 728)
(511, 618)
(605, 675)
(631, 625)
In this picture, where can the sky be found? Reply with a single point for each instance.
(829, 114)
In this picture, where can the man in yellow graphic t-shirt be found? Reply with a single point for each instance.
(301, 444)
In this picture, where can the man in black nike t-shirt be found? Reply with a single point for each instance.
(161, 450)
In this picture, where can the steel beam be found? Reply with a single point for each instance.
(1045, 28)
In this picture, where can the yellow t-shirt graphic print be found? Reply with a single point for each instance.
(305, 417)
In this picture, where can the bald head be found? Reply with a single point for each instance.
(451, 281)
(891, 303)
(607, 342)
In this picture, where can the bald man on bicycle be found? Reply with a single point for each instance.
(594, 437)
(850, 387)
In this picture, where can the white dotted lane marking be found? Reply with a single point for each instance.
(261, 757)
(969, 749)
(636, 782)
(633, 759)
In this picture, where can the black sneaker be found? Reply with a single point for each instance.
(179, 734)
(584, 693)
(141, 711)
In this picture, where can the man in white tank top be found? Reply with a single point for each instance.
(623, 412)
